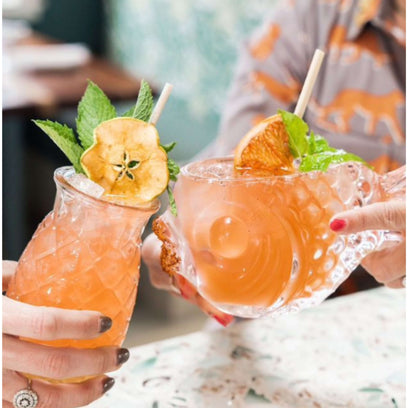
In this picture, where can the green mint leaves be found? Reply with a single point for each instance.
(321, 161)
(174, 170)
(93, 109)
(318, 144)
(144, 105)
(65, 139)
(297, 130)
(314, 150)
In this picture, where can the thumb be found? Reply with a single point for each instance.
(388, 215)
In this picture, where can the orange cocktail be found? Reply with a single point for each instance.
(255, 240)
(84, 255)
(255, 244)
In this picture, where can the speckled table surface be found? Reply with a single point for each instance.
(347, 352)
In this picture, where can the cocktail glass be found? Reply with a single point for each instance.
(84, 255)
(255, 245)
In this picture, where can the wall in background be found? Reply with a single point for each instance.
(74, 21)
(193, 45)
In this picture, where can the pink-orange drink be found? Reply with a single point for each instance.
(256, 244)
(84, 255)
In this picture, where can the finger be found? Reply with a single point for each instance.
(397, 283)
(56, 395)
(151, 251)
(50, 323)
(60, 363)
(388, 215)
(386, 265)
(9, 267)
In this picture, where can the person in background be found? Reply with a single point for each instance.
(358, 104)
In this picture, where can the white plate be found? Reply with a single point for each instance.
(48, 57)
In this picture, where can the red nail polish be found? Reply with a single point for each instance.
(337, 225)
(224, 320)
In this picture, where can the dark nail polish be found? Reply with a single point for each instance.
(337, 225)
(107, 384)
(105, 324)
(123, 356)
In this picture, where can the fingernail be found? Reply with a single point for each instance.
(107, 384)
(185, 296)
(105, 324)
(337, 225)
(123, 356)
(225, 321)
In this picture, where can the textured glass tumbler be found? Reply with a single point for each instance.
(84, 255)
(254, 246)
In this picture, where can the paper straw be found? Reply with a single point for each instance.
(158, 109)
(309, 83)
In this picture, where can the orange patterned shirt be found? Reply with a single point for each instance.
(358, 102)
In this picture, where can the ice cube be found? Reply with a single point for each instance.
(87, 186)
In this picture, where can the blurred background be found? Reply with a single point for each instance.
(50, 49)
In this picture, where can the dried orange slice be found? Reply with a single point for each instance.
(265, 148)
(127, 161)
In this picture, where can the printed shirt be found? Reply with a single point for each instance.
(358, 102)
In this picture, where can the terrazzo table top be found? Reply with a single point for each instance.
(347, 352)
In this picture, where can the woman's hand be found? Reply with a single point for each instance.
(48, 323)
(177, 284)
(388, 266)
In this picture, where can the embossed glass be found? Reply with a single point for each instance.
(261, 245)
(84, 255)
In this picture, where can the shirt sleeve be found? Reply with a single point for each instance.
(271, 69)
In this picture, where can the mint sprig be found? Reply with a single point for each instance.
(314, 151)
(93, 109)
(321, 161)
(65, 139)
(172, 201)
(174, 170)
(144, 105)
(297, 130)
(318, 144)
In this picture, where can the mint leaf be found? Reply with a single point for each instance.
(65, 139)
(172, 201)
(169, 147)
(144, 105)
(174, 169)
(314, 150)
(318, 144)
(321, 161)
(93, 109)
(297, 130)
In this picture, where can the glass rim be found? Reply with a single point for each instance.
(61, 180)
(187, 172)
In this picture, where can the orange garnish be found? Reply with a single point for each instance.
(265, 147)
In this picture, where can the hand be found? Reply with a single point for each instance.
(388, 265)
(48, 323)
(176, 284)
